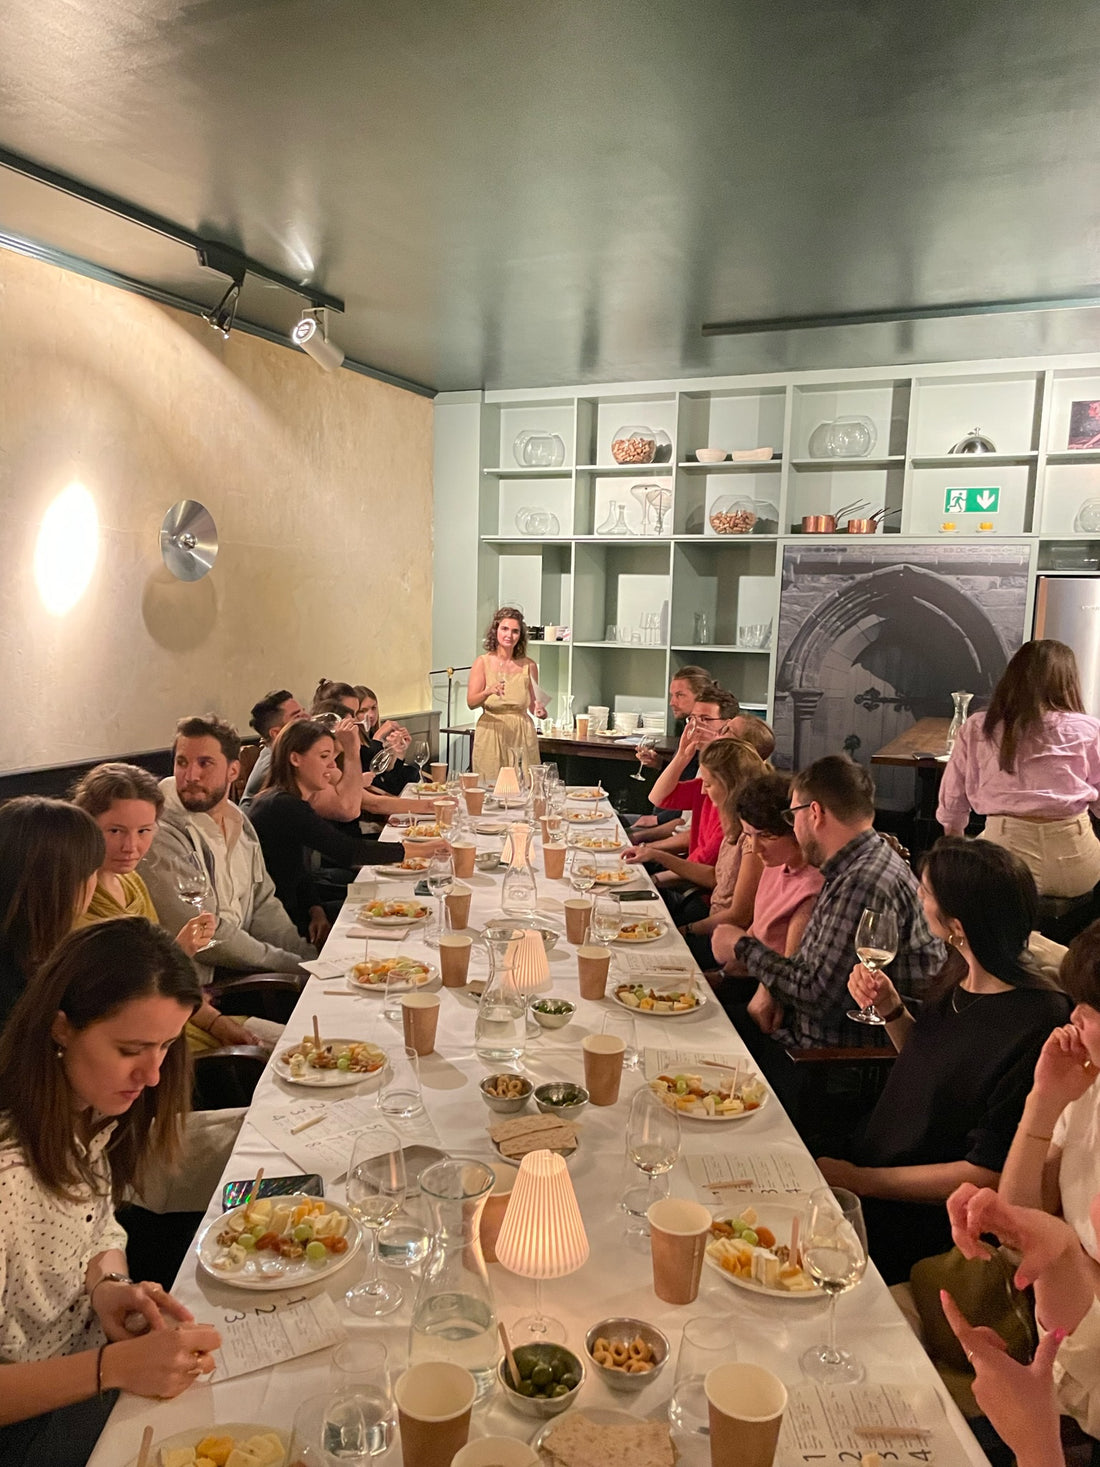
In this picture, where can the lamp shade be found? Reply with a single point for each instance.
(527, 959)
(507, 783)
(542, 1235)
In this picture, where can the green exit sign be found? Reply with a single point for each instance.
(972, 501)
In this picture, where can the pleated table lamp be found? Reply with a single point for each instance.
(542, 1235)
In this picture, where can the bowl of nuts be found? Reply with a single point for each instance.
(507, 1094)
(634, 445)
(627, 1354)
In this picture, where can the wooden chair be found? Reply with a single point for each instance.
(258, 995)
(836, 1090)
(249, 755)
(226, 1078)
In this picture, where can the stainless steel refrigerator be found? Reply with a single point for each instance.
(1067, 608)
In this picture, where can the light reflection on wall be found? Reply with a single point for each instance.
(66, 549)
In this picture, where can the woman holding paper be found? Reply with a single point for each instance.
(504, 685)
(94, 1085)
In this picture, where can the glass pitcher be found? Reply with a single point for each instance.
(454, 1317)
(500, 1029)
(958, 717)
(518, 892)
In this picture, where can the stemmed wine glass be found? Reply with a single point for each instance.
(193, 885)
(375, 1191)
(647, 741)
(421, 755)
(834, 1254)
(582, 869)
(606, 921)
(876, 945)
(653, 1140)
(441, 877)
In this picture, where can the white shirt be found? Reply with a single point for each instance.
(233, 870)
(46, 1245)
(1077, 1133)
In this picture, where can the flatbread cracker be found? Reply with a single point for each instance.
(520, 1134)
(575, 1441)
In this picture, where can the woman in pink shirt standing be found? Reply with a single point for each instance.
(1031, 765)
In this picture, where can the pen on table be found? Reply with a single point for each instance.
(305, 1125)
(890, 1433)
(733, 1182)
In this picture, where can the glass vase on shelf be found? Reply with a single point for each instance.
(961, 703)
(615, 524)
(454, 1315)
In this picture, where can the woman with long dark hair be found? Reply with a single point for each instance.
(1031, 765)
(503, 683)
(949, 1110)
(50, 853)
(94, 1086)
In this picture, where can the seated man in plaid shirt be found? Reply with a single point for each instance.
(802, 1001)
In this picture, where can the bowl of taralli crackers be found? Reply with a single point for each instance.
(627, 1354)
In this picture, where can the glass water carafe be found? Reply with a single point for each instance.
(518, 892)
(958, 717)
(454, 1317)
(500, 1029)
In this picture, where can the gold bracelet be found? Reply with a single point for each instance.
(1035, 1136)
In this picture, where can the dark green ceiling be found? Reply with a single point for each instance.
(539, 193)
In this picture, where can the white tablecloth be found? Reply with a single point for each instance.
(616, 1279)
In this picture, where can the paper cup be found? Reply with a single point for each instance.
(678, 1235)
(463, 856)
(497, 1451)
(434, 1401)
(746, 1405)
(419, 1018)
(458, 907)
(445, 811)
(438, 773)
(592, 967)
(577, 912)
(603, 1069)
(582, 726)
(492, 1214)
(475, 801)
(553, 861)
(454, 958)
(469, 781)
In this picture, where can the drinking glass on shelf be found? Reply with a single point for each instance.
(876, 945)
(646, 742)
(708, 1340)
(834, 1254)
(441, 877)
(375, 1191)
(582, 869)
(606, 921)
(193, 885)
(653, 1139)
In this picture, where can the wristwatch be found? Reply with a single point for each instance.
(109, 1278)
(894, 1014)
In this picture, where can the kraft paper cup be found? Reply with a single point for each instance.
(419, 1018)
(746, 1405)
(438, 773)
(454, 958)
(445, 809)
(492, 1214)
(593, 964)
(603, 1069)
(463, 857)
(469, 781)
(475, 801)
(582, 726)
(457, 902)
(578, 910)
(497, 1451)
(678, 1235)
(553, 861)
(434, 1401)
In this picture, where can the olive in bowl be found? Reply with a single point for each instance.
(552, 1013)
(549, 1378)
(561, 1098)
(507, 1094)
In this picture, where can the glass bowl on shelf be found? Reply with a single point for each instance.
(738, 515)
(662, 453)
(634, 445)
(852, 437)
(537, 450)
(537, 522)
(1087, 521)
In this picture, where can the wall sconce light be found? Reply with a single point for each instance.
(311, 334)
(189, 540)
(66, 550)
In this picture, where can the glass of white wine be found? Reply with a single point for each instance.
(606, 921)
(834, 1254)
(441, 878)
(193, 885)
(582, 869)
(646, 742)
(876, 945)
(375, 1191)
(653, 1141)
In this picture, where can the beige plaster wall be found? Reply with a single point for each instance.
(320, 484)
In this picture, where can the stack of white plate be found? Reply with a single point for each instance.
(653, 722)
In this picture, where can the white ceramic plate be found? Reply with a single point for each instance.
(615, 881)
(289, 1274)
(424, 978)
(587, 817)
(605, 844)
(737, 1115)
(401, 873)
(240, 1431)
(775, 1215)
(420, 840)
(323, 1079)
(656, 937)
(659, 989)
(422, 912)
(598, 1415)
(587, 794)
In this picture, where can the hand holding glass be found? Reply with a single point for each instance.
(645, 744)
(876, 945)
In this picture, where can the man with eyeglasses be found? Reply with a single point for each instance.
(802, 1001)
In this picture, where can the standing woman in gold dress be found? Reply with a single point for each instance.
(503, 684)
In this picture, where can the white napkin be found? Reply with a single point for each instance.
(324, 968)
(378, 934)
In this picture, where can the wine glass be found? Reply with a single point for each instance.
(606, 921)
(653, 1139)
(441, 877)
(421, 755)
(647, 741)
(582, 869)
(193, 885)
(876, 945)
(375, 1191)
(834, 1254)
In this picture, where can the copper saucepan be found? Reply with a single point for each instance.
(869, 526)
(825, 524)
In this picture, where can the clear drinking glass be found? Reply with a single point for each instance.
(653, 1140)
(625, 1028)
(707, 1341)
(834, 1254)
(420, 755)
(193, 885)
(359, 1418)
(582, 869)
(375, 1190)
(876, 945)
(441, 878)
(399, 1097)
(606, 921)
(647, 741)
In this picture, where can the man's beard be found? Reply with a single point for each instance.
(200, 801)
(814, 854)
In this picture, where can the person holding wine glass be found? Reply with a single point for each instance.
(502, 685)
(950, 1107)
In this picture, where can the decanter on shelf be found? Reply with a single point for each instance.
(961, 703)
(615, 524)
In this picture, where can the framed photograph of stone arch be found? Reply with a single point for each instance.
(874, 637)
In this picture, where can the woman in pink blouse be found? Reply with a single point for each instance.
(1031, 765)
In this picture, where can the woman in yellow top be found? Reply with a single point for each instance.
(504, 685)
(125, 802)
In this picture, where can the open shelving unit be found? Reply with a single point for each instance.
(604, 587)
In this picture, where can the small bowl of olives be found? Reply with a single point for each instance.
(552, 1013)
(549, 1378)
(561, 1098)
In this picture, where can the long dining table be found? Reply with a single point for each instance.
(617, 1278)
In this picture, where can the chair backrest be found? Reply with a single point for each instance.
(249, 755)
(226, 1078)
(271, 996)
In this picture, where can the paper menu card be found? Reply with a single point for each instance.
(325, 1146)
(825, 1425)
(653, 965)
(681, 1061)
(768, 1173)
(256, 1336)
